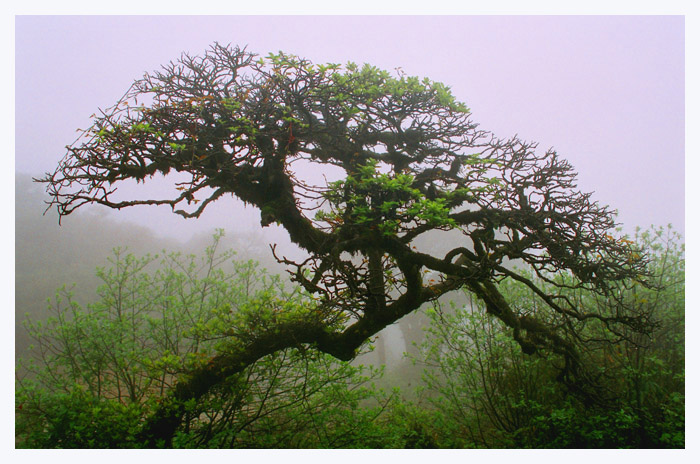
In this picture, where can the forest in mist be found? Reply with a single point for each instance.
(283, 234)
(447, 376)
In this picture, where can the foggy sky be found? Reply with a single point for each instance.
(606, 92)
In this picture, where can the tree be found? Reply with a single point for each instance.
(407, 160)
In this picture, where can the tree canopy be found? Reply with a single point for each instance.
(403, 158)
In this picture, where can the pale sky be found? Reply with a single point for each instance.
(606, 92)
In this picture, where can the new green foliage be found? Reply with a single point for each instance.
(388, 202)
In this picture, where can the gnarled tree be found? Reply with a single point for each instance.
(407, 160)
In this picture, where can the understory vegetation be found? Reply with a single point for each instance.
(96, 372)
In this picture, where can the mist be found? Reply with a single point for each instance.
(607, 93)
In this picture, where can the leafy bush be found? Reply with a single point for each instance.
(491, 394)
(97, 372)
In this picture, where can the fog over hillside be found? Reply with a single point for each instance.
(49, 256)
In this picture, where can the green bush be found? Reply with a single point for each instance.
(97, 372)
(490, 394)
